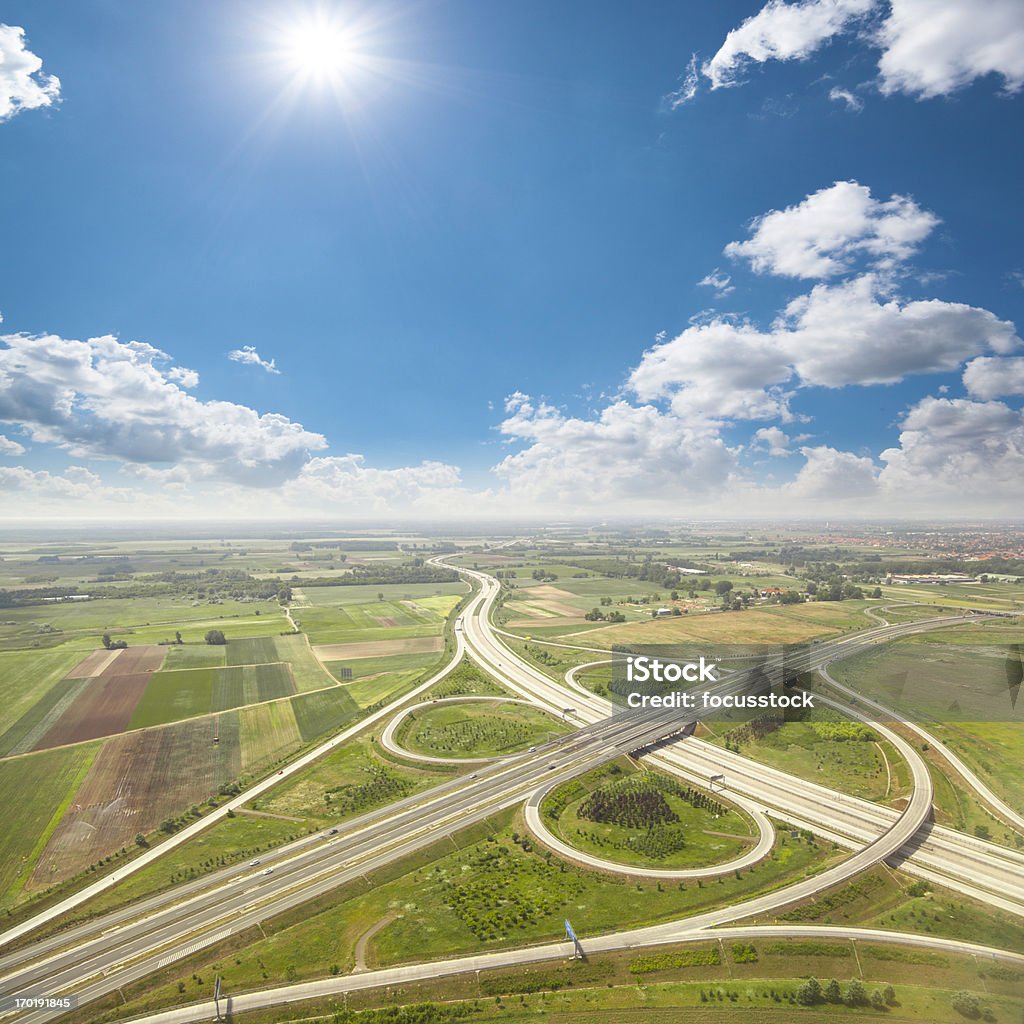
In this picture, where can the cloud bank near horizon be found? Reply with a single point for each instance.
(689, 431)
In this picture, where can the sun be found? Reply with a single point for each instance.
(320, 49)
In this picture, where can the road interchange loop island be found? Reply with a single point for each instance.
(511, 512)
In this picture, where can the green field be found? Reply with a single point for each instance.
(377, 620)
(50, 778)
(318, 713)
(350, 780)
(26, 676)
(487, 729)
(825, 747)
(698, 834)
(185, 693)
(362, 668)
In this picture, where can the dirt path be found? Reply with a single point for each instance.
(268, 814)
(364, 941)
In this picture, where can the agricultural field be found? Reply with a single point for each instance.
(486, 729)
(188, 693)
(646, 819)
(53, 778)
(404, 617)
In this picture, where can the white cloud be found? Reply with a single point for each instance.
(965, 452)
(180, 375)
(9, 447)
(837, 335)
(719, 281)
(771, 440)
(782, 31)
(935, 47)
(717, 370)
(986, 377)
(928, 48)
(346, 483)
(107, 399)
(840, 95)
(855, 333)
(248, 354)
(23, 85)
(832, 475)
(687, 88)
(824, 233)
(631, 455)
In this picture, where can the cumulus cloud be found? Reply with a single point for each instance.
(23, 84)
(719, 281)
(960, 449)
(626, 454)
(928, 48)
(248, 354)
(772, 440)
(823, 234)
(781, 31)
(853, 332)
(180, 375)
(9, 447)
(935, 47)
(987, 377)
(346, 483)
(840, 95)
(833, 475)
(107, 399)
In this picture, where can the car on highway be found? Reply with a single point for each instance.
(253, 863)
(531, 750)
(268, 871)
(332, 831)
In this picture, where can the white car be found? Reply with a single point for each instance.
(253, 863)
(268, 871)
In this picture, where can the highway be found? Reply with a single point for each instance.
(99, 956)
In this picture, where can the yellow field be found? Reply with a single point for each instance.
(379, 648)
(267, 730)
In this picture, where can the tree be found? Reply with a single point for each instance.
(594, 615)
(789, 597)
(722, 587)
(856, 994)
(106, 640)
(877, 1001)
(140, 840)
(380, 595)
(889, 994)
(812, 588)
(833, 993)
(809, 993)
(616, 617)
(177, 637)
(877, 592)
(215, 637)
(966, 1004)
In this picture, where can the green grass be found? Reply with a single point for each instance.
(27, 676)
(466, 679)
(51, 777)
(258, 650)
(699, 827)
(26, 732)
(195, 656)
(319, 713)
(363, 667)
(185, 693)
(360, 594)
(337, 786)
(379, 690)
(487, 729)
(804, 748)
(307, 671)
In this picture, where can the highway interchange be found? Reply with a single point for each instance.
(113, 950)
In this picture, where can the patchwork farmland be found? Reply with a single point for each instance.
(114, 742)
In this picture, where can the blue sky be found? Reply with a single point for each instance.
(478, 201)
